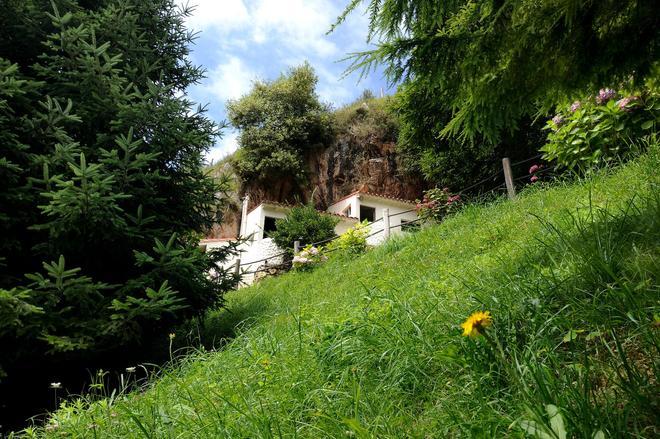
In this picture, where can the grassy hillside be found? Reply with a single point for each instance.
(372, 346)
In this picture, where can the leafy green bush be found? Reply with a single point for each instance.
(595, 131)
(278, 121)
(368, 118)
(304, 224)
(354, 240)
(437, 204)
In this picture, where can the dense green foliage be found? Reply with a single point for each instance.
(304, 224)
(103, 195)
(354, 240)
(493, 63)
(368, 119)
(447, 161)
(437, 204)
(482, 71)
(593, 132)
(279, 121)
(371, 346)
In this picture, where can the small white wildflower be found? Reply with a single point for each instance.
(314, 251)
(52, 426)
(55, 385)
(130, 369)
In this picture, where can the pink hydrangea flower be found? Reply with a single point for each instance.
(534, 169)
(534, 178)
(453, 199)
(624, 104)
(604, 95)
(558, 120)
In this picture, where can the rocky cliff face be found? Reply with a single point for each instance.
(346, 166)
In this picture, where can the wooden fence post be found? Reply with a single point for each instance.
(386, 223)
(237, 267)
(296, 247)
(508, 178)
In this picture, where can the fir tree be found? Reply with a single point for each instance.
(103, 195)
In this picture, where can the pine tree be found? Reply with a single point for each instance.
(103, 195)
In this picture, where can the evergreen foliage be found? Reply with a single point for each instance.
(103, 196)
(279, 121)
(484, 70)
(493, 63)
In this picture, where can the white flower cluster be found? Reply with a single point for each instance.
(308, 257)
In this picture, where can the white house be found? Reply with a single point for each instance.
(260, 251)
(371, 207)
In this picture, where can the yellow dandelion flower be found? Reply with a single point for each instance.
(476, 324)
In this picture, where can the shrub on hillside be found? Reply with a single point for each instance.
(304, 224)
(437, 204)
(367, 119)
(354, 240)
(597, 130)
(278, 122)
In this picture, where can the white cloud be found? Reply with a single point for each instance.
(225, 146)
(229, 80)
(299, 24)
(332, 88)
(222, 15)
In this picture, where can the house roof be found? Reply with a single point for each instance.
(374, 195)
(289, 206)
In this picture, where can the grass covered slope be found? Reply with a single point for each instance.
(372, 346)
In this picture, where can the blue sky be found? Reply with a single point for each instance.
(244, 40)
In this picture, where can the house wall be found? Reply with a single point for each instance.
(252, 256)
(395, 207)
(255, 220)
(341, 206)
(259, 248)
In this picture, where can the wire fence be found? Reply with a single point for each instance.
(286, 264)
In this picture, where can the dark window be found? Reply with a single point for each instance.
(269, 225)
(367, 213)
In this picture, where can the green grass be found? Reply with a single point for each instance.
(371, 346)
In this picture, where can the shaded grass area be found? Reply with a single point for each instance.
(371, 346)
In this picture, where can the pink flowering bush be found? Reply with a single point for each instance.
(534, 169)
(597, 130)
(437, 203)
